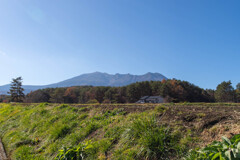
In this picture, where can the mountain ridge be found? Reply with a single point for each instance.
(93, 79)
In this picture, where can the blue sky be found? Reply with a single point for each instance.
(46, 41)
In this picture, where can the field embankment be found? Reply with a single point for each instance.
(167, 131)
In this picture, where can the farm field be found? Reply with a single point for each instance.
(114, 131)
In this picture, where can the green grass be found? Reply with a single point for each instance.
(39, 131)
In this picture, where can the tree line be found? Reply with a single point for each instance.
(172, 90)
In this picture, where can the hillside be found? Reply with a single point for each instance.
(94, 79)
(168, 131)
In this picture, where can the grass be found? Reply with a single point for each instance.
(152, 140)
(53, 126)
(39, 131)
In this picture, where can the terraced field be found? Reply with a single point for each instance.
(129, 131)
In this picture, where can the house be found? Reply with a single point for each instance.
(151, 99)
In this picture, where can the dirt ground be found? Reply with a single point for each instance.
(208, 122)
(2, 152)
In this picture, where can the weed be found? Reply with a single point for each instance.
(160, 108)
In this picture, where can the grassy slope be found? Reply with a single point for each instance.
(38, 131)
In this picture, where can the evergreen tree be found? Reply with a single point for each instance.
(58, 95)
(16, 90)
(133, 93)
(238, 93)
(225, 92)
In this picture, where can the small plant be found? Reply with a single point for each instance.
(77, 153)
(225, 150)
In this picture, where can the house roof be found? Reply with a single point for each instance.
(150, 97)
(145, 97)
(154, 97)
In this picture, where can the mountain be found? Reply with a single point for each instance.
(94, 79)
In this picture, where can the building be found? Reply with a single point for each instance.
(151, 99)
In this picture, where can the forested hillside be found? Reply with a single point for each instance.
(171, 90)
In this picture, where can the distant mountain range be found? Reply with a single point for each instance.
(94, 79)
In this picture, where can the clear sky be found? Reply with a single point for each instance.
(47, 41)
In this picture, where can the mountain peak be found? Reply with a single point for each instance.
(95, 79)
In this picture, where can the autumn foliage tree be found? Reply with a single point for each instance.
(71, 95)
(172, 90)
